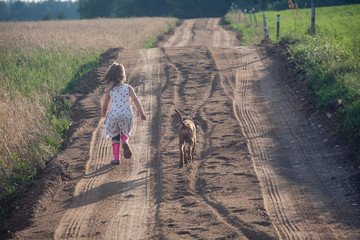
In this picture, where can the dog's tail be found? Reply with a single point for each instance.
(181, 118)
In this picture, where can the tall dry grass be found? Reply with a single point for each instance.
(21, 123)
(96, 35)
(38, 60)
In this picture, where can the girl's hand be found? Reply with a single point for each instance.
(143, 117)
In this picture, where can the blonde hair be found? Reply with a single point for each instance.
(115, 75)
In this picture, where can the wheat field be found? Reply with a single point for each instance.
(96, 34)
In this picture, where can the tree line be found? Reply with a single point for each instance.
(162, 8)
(186, 8)
(36, 11)
(85, 9)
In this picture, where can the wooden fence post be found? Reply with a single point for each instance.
(245, 14)
(312, 31)
(266, 29)
(250, 12)
(277, 26)
(264, 22)
(254, 17)
(264, 18)
(238, 16)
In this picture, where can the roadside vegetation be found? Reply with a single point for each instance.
(41, 61)
(330, 60)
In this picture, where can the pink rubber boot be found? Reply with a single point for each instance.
(126, 147)
(124, 138)
(116, 152)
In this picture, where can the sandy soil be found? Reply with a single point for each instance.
(267, 165)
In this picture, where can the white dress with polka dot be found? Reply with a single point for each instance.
(119, 118)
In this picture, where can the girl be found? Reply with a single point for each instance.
(119, 120)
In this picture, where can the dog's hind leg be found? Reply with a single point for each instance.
(189, 156)
(191, 151)
(182, 155)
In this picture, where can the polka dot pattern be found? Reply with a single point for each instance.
(119, 118)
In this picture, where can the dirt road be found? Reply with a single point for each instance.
(265, 166)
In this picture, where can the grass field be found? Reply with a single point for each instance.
(330, 60)
(340, 23)
(41, 60)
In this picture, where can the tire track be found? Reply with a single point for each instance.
(74, 223)
(197, 73)
(252, 128)
(297, 213)
(131, 218)
(220, 37)
(188, 75)
(312, 169)
(115, 200)
(182, 35)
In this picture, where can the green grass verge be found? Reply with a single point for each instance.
(41, 75)
(150, 42)
(44, 72)
(340, 23)
(251, 33)
(330, 60)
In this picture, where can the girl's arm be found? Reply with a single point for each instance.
(106, 103)
(137, 102)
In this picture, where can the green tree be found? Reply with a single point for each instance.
(185, 8)
(35, 11)
(182, 8)
(199, 8)
(126, 8)
(18, 10)
(95, 8)
(177, 8)
(4, 11)
(47, 17)
(153, 7)
(61, 15)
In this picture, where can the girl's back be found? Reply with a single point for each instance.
(120, 100)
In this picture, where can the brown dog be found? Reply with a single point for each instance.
(187, 134)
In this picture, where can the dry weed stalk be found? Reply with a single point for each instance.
(295, 9)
